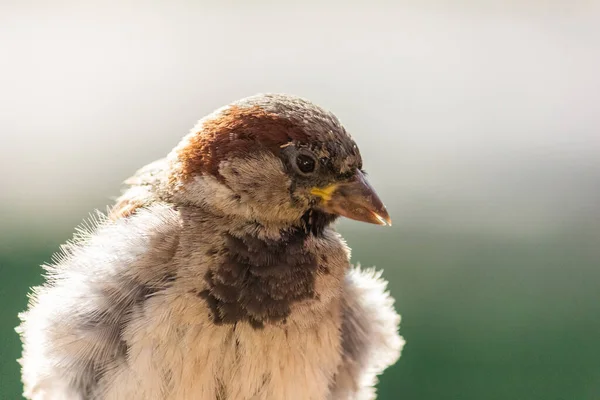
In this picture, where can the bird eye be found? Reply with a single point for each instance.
(306, 164)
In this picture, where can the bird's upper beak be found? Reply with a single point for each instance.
(355, 199)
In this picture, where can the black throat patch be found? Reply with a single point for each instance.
(315, 221)
(259, 280)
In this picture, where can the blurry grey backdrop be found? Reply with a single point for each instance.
(478, 122)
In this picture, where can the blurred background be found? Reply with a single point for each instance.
(479, 123)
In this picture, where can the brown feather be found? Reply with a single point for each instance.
(235, 131)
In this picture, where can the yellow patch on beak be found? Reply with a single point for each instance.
(324, 193)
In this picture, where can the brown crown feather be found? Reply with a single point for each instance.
(236, 130)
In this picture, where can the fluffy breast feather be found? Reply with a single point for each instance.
(120, 318)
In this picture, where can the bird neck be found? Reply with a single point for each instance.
(315, 221)
(312, 223)
(259, 279)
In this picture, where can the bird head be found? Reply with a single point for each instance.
(274, 158)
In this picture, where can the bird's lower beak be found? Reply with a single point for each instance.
(355, 199)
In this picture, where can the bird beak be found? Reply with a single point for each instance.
(355, 199)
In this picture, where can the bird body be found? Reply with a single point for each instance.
(218, 275)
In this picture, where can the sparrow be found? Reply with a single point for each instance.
(218, 274)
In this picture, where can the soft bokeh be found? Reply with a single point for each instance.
(479, 123)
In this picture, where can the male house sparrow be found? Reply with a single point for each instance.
(217, 274)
